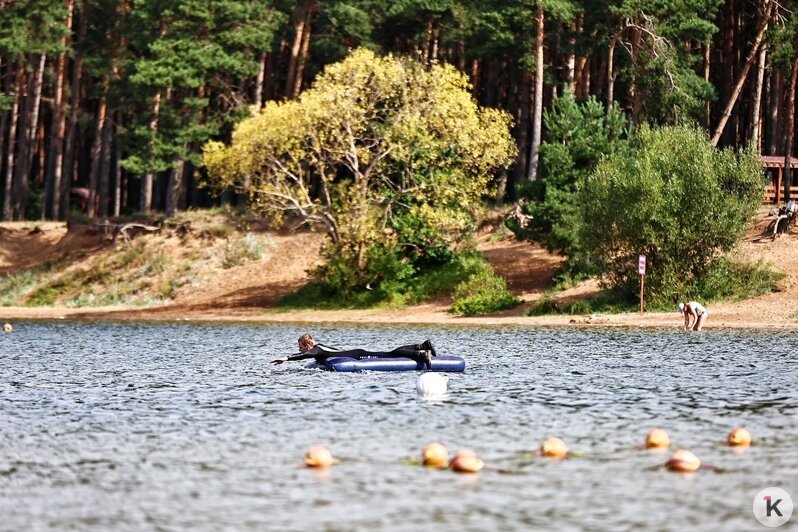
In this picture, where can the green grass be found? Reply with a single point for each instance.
(14, 287)
(607, 303)
(728, 281)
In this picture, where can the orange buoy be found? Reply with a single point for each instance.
(657, 439)
(739, 437)
(466, 462)
(683, 461)
(435, 455)
(553, 448)
(318, 456)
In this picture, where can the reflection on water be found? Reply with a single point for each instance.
(132, 427)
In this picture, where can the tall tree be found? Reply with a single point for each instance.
(768, 10)
(537, 115)
(55, 167)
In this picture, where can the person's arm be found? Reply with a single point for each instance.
(298, 356)
(692, 318)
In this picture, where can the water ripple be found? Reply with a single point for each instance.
(178, 426)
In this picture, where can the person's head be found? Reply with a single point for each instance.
(306, 342)
(681, 308)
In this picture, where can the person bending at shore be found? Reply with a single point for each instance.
(695, 314)
(308, 348)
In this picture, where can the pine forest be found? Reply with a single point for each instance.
(106, 105)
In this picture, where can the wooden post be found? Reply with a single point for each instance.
(642, 285)
(641, 269)
(778, 187)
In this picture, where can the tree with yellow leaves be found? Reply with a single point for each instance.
(391, 157)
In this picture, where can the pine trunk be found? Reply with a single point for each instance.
(537, 117)
(522, 129)
(773, 112)
(738, 87)
(304, 51)
(173, 189)
(756, 118)
(96, 154)
(72, 125)
(257, 97)
(8, 211)
(611, 70)
(20, 179)
(570, 62)
(789, 124)
(301, 18)
(55, 165)
(145, 203)
(118, 198)
(105, 168)
(33, 131)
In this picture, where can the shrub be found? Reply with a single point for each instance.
(674, 198)
(738, 280)
(242, 250)
(13, 287)
(609, 302)
(402, 285)
(47, 295)
(483, 292)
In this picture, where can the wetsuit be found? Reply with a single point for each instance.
(321, 352)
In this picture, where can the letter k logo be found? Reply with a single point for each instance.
(772, 506)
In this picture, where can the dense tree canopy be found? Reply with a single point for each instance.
(116, 98)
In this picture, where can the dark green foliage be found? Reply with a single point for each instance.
(662, 76)
(727, 280)
(184, 50)
(607, 302)
(399, 286)
(674, 198)
(482, 292)
(731, 280)
(579, 134)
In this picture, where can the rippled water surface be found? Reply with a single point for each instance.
(175, 427)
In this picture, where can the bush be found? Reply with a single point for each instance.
(608, 302)
(403, 285)
(674, 198)
(483, 292)
(242, 250)
(738, 280)
(15, 286)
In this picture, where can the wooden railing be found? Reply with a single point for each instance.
(770, 194)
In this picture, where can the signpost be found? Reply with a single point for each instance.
(641, 269)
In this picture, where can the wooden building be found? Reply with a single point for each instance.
(774, 168)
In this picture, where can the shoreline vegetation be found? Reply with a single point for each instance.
(213, 268)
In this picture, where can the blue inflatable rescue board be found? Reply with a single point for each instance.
(443, 363)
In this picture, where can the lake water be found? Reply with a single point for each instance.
(110, 426)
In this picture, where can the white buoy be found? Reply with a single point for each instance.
(432, 385)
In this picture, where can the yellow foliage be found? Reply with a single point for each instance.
(372, 137)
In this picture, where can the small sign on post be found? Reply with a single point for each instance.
(641, 269)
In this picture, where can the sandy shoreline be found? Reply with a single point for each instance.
(720, 318)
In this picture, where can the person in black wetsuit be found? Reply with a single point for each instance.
(421, 353)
